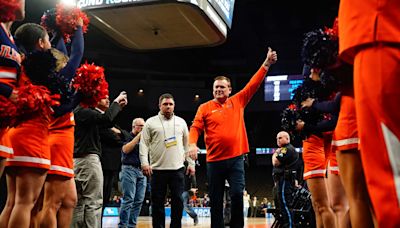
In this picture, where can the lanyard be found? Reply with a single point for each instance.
(165, 136)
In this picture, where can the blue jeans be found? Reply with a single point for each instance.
(133, 188)
(186, 205)
(232, 170)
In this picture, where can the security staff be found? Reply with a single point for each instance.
(285, 162)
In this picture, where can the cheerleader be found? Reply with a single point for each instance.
(345, 145)
(27, 169)
(59, 190)
(328, 198)
(315, 167)
(10, 62)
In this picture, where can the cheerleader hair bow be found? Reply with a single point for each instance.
(90, 81)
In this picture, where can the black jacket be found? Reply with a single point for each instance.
(88, 121)
(111, 145)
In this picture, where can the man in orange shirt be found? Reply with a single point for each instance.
(369, 37)
(222, 120)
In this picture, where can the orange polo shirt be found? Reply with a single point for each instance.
(223, 124)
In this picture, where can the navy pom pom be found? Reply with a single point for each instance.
(320, 50)
(48, 21)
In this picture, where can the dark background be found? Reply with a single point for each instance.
(256, 25)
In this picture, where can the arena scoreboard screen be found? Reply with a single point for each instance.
(224, 8)
(94, 4)
(281, 87)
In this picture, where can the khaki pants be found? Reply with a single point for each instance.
(89, 186)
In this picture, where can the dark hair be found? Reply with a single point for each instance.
(223, 78)
(28, 35)
(39, 66)
(165, 96)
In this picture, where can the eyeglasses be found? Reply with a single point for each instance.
(138, 125)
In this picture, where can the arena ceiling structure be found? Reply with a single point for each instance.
(145, 25)
(255, 25)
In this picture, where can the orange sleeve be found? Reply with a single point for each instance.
(250, 89)
(197, 126)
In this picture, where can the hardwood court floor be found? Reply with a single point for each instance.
(145, 222)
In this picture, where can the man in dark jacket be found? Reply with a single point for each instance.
(112, 139)
(87, 166)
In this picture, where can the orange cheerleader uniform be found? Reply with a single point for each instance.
(6, 150)
(30, 141)
(61, 140)
(345, 136)
(314, 157)
(330, 154)
(10, 62)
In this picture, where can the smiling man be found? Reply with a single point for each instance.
(222, 120)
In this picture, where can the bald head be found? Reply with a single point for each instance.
(282, 138)
(137, 125)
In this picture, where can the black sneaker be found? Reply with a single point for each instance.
(196, 220)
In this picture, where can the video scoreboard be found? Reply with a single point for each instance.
(281, 87)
